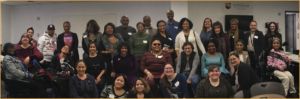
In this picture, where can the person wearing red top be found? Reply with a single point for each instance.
(152, 64)
(26, 52)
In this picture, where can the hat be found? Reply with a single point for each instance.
(6, 46)
(51, 27)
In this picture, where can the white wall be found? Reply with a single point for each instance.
(5, 24)
(262, 12)
(180, 9)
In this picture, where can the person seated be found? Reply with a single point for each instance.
(243, 77)
(82, 85)
(213, 86)
(187, 64)
(15, 70)
(173, 85)
(125, 63)
(118, 90)
(244, 56)
(140, 89)
(279, 62)
(96, 66)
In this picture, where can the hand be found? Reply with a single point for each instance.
(150, 76)
(113, 74)
(162, 76)
(188, 81)
(166, 50)
(27, 59)
(31, 75)
(290, 61)
(250, 44)
(72, 53)
(176, 59)
(111, 50)
(69, 73)
(170, 51)
(42, 62)
(96, 81)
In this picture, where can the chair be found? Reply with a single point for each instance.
(267, 88)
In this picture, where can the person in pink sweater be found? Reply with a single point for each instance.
(26, 52)
(279, 62)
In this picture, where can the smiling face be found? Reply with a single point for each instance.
(109, 30)
(207, 23)
(168, 71)
(217, 29)
(140, 28)
(124, 50)
(187, 49)
(139, 86)
(272, 27)
(92, 48)
(214, 74)
(67, 27)
(156, 46)
(81, 68)
(25, 40)
(253, 26)
(185, 25)
(30, 33)
(233, 25)
(170, 15)
(235, 61)
(239, 46)
(162, 27)
(65, 49)
(119, 82)
(211, 47)
(276, 44)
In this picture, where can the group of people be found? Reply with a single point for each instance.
(149, 62)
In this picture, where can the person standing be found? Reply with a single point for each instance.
(172, 25)
(30, 33)
(148, 28)
(206, 30)
(234, 33)
(125, 30)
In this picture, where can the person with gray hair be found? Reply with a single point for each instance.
(125, 30)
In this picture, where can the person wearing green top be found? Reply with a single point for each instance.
(140, 43)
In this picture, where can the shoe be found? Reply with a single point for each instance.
(294, 95)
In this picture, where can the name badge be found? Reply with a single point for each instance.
(145, 41)
(111, 96)
(176, 84)
(129, 33)
(147, 31)
(84, 36)
(160, 56)
(176, 27)
(256, 37)
(118, 59)
(170, 38)
(232, 36)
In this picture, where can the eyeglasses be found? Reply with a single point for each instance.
(156, 44)
(168, 68)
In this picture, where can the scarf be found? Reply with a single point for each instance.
(236, 36)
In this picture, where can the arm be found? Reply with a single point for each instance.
(135, 65)
(60, 43)
(10, 67)
(262, 42)
(41, 44)
(115, 64)
(74, 43)
(104, 94)
(177, 44)
(178, 64)
(143, 63)
(84, 46)
(36, 55)
(195, 66)
(200, 45)
(222, 68)
(203, 69)
(245, 78)
(95, 89)
(73, 91)
(248, 59)
(131, 43)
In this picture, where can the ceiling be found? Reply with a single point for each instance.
(15, 3)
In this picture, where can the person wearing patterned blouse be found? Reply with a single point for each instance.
(118, 90)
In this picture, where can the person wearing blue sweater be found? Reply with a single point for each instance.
(173, 85)
(212, 57)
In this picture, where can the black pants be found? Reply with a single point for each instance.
(61, 85)
(36, 87)
(253, 59)
(101, 84)
(45, 65)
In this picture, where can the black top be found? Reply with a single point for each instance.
(165, 41)
(74, 47)
(55, 64)
(246, 78)
(94, 65)
(125, 32)
(258, 43)
(206, 90)
(186, 37)
(83, 88)
(267, 43)
(231, 39)
(133, 95)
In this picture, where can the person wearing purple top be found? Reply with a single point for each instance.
(125, 63)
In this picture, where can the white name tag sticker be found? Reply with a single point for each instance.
(129, 33)
(170, 38)
(176, 27)
(176, 84)
(256, 37)
(160, 56)
(232, 36)
(145, 41)
(84, 36)
(111, 96)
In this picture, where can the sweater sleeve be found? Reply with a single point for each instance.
(199, 43)
(41, 44)
(195, 66)
(177, 42)
(178, 64)
(131, 43)
(222, 68)
(203, 69)
(104, 93)
(72, 87)
(36, 55)
(11, 68)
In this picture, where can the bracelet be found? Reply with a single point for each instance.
(147, 72)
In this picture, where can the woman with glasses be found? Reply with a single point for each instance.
(152, 64)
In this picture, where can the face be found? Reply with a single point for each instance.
(156, 45)
(109, 29)
(67, 27)
(51, 32)
(124, 50)
(91, 29)
(125, 21)
(92, 48)
(147, 21)
(65, 49)
(272, 27)
(233, 25)
(11, 50)
(170, 15)
(140, 28)
(211, 47)
(217, 29)
(185, 25)
(207, 23)
(162, 27)
(187, 49)
(30, 33)
(81, 68)
(234, 60)
(276, 44)
(139, 86)
(168, 71)
(119, 82)
(253, 26)
(239, 46)
(25, 40)
(215, 74)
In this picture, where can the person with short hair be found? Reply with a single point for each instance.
(47, 44)
(30, 32)
(172, 26)
(125, 30)
(140, 89)
(234, 33)
(148, 28)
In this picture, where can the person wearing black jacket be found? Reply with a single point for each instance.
(255, 41)
(243, 78)
(69, 38)
(91, 34)
(234, 33)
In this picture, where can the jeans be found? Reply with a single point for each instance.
(194, 81)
